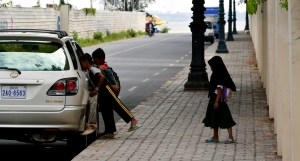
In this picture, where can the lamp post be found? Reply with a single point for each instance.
(229, 35)
(222, 48)
(234, 19)
(247, 18)
(197, 78)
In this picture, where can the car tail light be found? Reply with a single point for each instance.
(71, 85)
(59, 85)
(64, 87)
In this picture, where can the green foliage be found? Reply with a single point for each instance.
(127, 5)
(75, 35)
(90, 11)
(284, 4)
(141, 33)
(108, 33)
(10, 3)
(252, 7)
(38, 5)
(62, 2)
(165, 30)
(98, 36)
(132, 33)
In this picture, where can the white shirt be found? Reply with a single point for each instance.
(219, 86)
(95, 70)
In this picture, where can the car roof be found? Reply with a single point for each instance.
(33, 36)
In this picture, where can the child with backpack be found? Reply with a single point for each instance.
(108, 100)
(218, 114)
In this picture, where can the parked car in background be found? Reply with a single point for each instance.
(209, 33)
(44, 92)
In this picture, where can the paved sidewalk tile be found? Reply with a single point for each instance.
(172, 119)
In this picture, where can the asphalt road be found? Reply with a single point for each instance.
(143, 65)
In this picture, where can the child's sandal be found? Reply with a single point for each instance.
(210, 140)
(229, 141)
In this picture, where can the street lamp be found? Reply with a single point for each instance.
(229, 35)
(222, 48)
(234, 19)
(247, 18)
(197, 78)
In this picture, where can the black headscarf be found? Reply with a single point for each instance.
(220, 75)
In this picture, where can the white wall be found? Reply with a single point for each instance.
(277, 45)
(84, 25)
(103, 21)
(44, 18)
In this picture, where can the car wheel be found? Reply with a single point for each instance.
(217, 36)
(212, 41)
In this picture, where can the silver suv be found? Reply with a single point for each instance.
(44, 92)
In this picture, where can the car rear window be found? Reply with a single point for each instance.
(33, 55)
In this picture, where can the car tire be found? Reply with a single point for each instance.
(217, 36)
(212, 41)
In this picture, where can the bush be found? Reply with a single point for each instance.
(141, 33)
(132, 33)
(98, 36)
(108, 33)
(75, 35)
(165, 30)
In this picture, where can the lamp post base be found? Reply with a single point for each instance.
(234, 32)
(222, 48)
(197, 80)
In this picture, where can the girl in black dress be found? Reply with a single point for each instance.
(218, 114)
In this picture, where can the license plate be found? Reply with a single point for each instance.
(13, 92)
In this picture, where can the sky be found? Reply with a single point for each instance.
(160, 5)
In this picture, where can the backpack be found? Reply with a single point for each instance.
(112, 79)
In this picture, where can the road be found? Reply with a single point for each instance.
(143, 65)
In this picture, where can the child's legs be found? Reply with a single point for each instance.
(230, 133)
(108, 118)
(216, 134)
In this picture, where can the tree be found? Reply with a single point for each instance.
(38, 5)
(127, 5)
(2, 4)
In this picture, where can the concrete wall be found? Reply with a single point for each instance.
(103, 21)
(276, 37)
(44, 18)
(71, 20)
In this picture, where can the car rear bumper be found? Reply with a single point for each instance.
(208, 38)
(69, 119)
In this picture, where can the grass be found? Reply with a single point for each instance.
(165, 30)
(109, 37)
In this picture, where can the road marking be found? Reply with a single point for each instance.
(190, 52)
(120, 97)
(171, 65)
(131, 89)
(155, 74)
(182, 58)
(145, 80)
(164, 69)
(186, 54)
(177, 61)
(141, 46)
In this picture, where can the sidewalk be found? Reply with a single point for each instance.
(172, 119)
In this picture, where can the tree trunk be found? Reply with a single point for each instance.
(126, 5)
